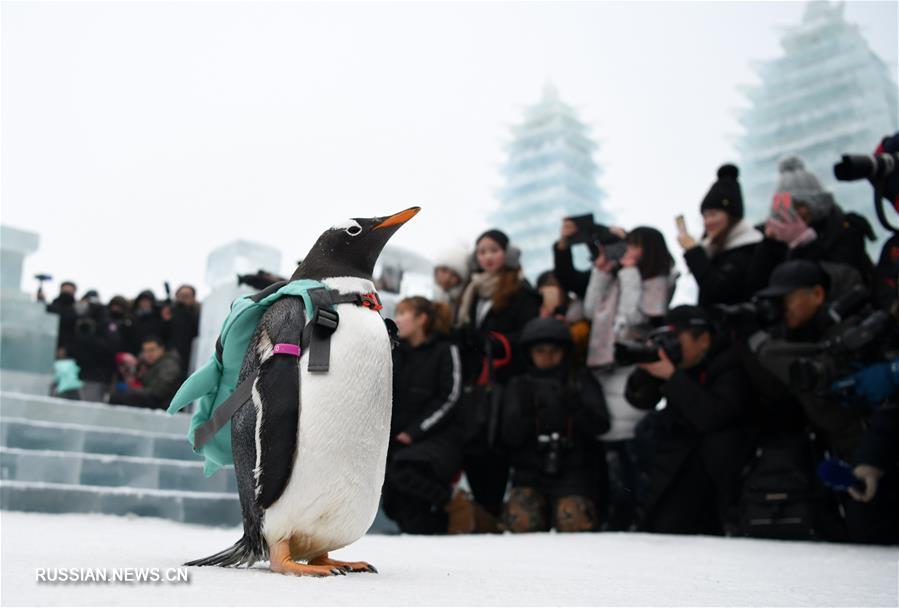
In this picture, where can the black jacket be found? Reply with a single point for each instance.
(542, 403)
(706, 418)
(721, 278)
(427, 384)
(880, 445)
(840, 427)
(183, 328)
(94, 344)
(475, 340)
(64, 306)
(841, 239)
(568, 276)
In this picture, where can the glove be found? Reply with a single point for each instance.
(790, 230)
(875, 383)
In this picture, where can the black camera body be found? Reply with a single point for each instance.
(552, 448)
(838, 357)
(598, 238)
(632, 352)
(758, 312)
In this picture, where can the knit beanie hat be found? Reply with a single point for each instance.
(803, 187)
(456, 259)
(725, 194)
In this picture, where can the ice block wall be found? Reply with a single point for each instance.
(223, 266)
(27, 331)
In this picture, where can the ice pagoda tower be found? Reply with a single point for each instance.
(828, 94)
(549, 174)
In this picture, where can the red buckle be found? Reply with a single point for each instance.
(372, 301)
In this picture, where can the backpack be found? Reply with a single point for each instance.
(215, 385)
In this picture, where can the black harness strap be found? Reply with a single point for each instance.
(316, 338)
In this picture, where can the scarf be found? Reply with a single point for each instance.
(482, 286)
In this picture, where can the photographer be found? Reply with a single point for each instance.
(702, 434)
(551, 418)
(806, 223)
(720, 261)
(872, 514)
(146, 321)
(184, 322)
(882, 171)
(93, 346)
(629, 290)
(64, 306)
(802, 286)
(570, 278)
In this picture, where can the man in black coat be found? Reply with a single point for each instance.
(184, 322)
(803, 288)
(872, 515)
(64, 306)
(703, 437)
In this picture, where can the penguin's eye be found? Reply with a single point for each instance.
(354, 230)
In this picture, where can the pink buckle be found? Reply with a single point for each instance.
(286, 349)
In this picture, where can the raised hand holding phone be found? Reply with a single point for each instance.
(683, 237)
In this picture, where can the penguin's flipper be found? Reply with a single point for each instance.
(276, 396)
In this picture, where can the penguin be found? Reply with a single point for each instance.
(310, 448)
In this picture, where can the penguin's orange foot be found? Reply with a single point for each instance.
(324, 560)
(280, 561)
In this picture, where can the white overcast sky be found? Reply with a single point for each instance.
(136, 137)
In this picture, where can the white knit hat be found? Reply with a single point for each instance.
(456, 259)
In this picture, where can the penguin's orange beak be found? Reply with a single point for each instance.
(398, 219)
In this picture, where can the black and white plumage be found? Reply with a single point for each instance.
(310, 450)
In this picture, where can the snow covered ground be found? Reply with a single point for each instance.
(538, 569)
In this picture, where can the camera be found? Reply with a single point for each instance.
(762, 312)
(853, 167)
(631, 352)
(551, 446)
(598, 236)
(823, 363)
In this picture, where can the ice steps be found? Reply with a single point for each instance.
(51, 409)
(215, 508)
(108, 470)
(61, 456)
(67, 437)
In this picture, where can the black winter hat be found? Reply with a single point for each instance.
(725, 193)
(545, 330)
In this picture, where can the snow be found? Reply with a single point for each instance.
(536, 569)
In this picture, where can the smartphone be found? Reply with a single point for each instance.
(681, 224)
(782, 206)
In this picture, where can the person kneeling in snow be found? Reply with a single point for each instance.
(425, 452)
(551, 418)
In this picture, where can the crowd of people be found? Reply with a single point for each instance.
(124, 352)
(586, 402)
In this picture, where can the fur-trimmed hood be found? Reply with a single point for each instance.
(741, 234)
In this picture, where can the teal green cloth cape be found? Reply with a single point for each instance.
(216, 380)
